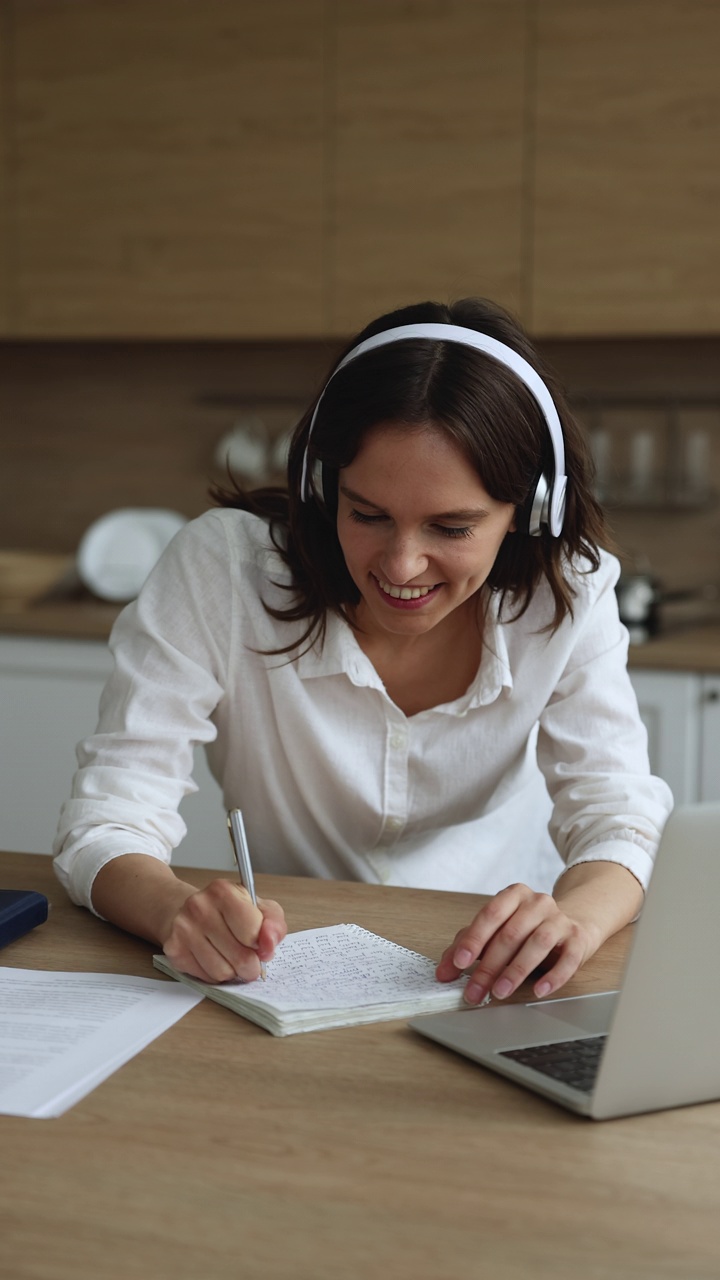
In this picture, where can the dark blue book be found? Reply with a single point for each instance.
(20, 911)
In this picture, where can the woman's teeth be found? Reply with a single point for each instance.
(403, 593)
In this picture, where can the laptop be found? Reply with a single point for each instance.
(653, 1044)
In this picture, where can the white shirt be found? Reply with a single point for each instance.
(333, 779)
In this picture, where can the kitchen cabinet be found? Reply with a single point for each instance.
(169, 173)
(710, 739)
(681, 712)
(428, 146)
(4, 174)
(49, 695)
(626, 138)
(290, 168)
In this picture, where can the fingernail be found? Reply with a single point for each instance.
(542, 988)
(502, 988)
(462, 958)
(474, 993)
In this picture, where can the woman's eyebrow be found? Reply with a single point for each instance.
(357, 497)
(468, 513)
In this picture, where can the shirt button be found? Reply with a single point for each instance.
(398, 741)
(393, 824)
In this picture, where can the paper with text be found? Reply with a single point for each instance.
(61, 1034)
(344, 966)
(338, 976)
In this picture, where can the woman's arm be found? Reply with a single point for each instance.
(214, 933)
(520, 930)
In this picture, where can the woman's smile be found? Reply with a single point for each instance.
(404, 597)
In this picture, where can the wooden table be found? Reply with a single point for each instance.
(363, 1152)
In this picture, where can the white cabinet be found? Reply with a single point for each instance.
(710, 739)
(681, 712)
(49, 695)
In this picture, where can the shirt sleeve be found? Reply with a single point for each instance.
(592, 746)
(171, 650)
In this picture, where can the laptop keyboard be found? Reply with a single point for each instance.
(573, 1062)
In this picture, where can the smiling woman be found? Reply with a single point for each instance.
(407, 666)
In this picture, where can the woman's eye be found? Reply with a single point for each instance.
(453, 531)
(363, 518)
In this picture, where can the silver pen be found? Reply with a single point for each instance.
(238, 840)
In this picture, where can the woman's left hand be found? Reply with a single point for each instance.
(515, 933)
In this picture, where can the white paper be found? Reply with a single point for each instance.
(337, 976)
(345, 967)
(61, 1034)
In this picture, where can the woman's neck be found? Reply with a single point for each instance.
(431, 669)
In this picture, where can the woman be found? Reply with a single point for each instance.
(403, 668)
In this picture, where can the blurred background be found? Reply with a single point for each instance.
(199, 204)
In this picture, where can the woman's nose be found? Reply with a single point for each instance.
(403, 559)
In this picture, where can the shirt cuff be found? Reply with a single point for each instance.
(77, 871)
(624, 852)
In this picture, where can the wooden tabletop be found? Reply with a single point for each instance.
(222, 1152)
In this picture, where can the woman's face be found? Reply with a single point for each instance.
(417, 527)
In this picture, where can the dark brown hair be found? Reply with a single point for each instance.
(483, 407)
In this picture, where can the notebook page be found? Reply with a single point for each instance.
(341, 967)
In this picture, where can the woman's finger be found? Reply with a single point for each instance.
(524, 940)
(273, 928)
(470, 942)
(571, 956)
(202, 960)
(501, 975)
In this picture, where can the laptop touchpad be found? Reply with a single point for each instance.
(591, 1014)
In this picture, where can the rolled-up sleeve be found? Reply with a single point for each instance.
(170, 653)
(592, 749)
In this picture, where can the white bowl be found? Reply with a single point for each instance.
(118, 551)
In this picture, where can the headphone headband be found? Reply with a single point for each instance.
(554, 497)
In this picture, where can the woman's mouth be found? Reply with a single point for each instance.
(405, 597)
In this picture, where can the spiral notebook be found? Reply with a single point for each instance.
(339, 976)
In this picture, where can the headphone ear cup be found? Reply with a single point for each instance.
(321, 487)
(314, 485)
(533, 516)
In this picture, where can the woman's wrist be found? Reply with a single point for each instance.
(602, 897)
(141, 894)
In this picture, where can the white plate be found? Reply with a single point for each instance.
(118, 551)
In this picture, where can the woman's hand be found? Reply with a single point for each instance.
(217, 934)
(514, 934)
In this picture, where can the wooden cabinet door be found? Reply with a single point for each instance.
(428, 154)
(627, 178)
(4, 172)
(170, 167)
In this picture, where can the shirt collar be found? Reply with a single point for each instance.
(341, 655)
(494, 674)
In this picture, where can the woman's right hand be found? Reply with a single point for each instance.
(218, 934)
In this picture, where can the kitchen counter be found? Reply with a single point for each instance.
(80, 619)
(40, 595)
(683, 649)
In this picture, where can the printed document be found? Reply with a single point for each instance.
(61, 1034)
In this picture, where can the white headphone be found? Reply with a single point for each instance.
(547, 507)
